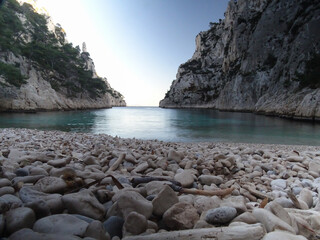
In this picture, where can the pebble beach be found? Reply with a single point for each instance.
(62, 185)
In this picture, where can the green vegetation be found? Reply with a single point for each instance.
(11, 74)
(311, 76)
(47, 50)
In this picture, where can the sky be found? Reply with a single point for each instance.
(137, 45)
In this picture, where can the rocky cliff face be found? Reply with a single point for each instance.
(263, 57)
(43, 71)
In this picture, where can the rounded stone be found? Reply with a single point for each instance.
(180, 216)
(209, 179)
(221, 215)
(136, 223)
(64, 224)
(19, 218)
(113, 225)
(185, 178)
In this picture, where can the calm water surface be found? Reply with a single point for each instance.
(181, 125)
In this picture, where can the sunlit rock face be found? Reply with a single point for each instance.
(263, 57)
(46, 88)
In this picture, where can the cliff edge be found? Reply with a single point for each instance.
(264, 57)
(40, 70)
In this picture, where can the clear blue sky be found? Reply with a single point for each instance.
(137, 44)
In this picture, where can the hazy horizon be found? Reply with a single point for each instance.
(137, 45)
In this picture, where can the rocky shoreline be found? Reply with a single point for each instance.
(58, 185)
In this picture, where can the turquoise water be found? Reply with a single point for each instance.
(182, 125)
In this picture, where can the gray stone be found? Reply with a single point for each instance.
(221, 215)
(128, 201)
(27, 233)
(9, 201)
(40, 208)
(96, 230)
(270, 221)
(155, 187)
(284, 202)
(175, 156)
(38, 171)
(278, 184)
(29, 195)
(57, 163)
(51, 185)
(6, 190)
(2, 224)
(306, 196)
(209, 179)
(19, 218)
(84, 203)
(203, 203)
(113, 225)
(136, 223)
(180, 216)
(185, 178)
(21, 172)
(164, 200)
(61, 224)
(4, 182)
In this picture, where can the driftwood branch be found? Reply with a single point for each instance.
(257, 193)
(220, 192)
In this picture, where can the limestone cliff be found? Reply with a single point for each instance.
(263, 57)
(40, 70)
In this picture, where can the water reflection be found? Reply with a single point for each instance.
(172, 125)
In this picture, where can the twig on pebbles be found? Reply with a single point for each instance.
(220, 192)
(257, 193)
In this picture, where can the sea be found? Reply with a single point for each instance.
(172, 125)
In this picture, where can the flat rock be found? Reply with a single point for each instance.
(84, 203)
(27, 233)
(58, 163)
(53, 201)
(221, 215)
(209, 179)
(19, 218)
(51, 185)
(61, 224)
(164, 200)
(270, 221)
(280, 235)
(129, 201)
(113, 225)
(180, 216)
(136, 223)
(185, 178)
